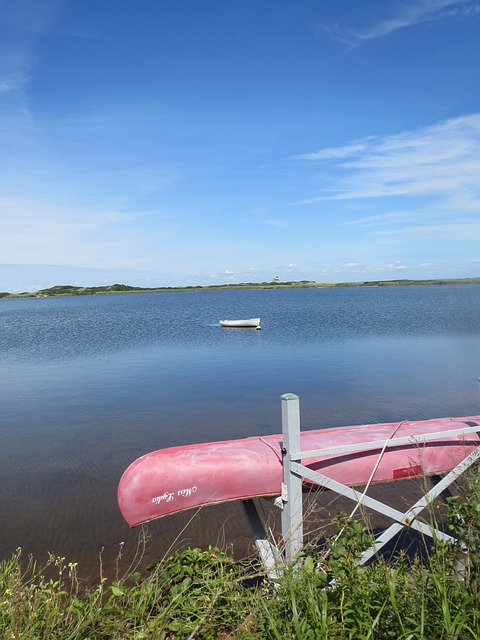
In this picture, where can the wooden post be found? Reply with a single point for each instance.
(292, 513)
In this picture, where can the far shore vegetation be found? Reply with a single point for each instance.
(71, 290)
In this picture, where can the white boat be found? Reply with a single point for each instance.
(253, 323)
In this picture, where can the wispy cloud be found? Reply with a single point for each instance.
(21, 24)
(458, 231)
(273, 222)
(382, 220)
(407, 15)
(49, 232)
(335, 153)
(440, 162)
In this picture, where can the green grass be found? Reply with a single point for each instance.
(205, 594)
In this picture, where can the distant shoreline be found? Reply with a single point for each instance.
(70, 290)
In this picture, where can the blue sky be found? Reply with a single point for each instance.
(183, 142)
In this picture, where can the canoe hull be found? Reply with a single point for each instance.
(172, 480)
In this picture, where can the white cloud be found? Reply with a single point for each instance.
(407, 15)
(382, 219)
(463, 230)
(46, 232)
(440, 162)
(5, 86)
(331, 153)
(22, 22)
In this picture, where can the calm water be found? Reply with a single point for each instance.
(89, 384)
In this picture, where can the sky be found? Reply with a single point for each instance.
(196, 142)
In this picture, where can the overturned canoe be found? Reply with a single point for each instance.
(175, 479)
(253, 323)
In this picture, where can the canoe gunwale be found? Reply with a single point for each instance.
(439, 438)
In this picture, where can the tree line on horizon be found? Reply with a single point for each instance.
(73, 290)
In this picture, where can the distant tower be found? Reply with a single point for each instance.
(276, 279)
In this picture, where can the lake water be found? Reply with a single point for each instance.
(89, 384)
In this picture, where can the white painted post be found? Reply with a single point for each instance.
(292, 514)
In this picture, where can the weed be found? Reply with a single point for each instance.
(203, 594)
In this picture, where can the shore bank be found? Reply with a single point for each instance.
(71, 290)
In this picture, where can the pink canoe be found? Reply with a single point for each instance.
(171, 480)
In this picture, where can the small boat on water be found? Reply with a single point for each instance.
(252, 323)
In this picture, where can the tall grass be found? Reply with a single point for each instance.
(204, 594)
